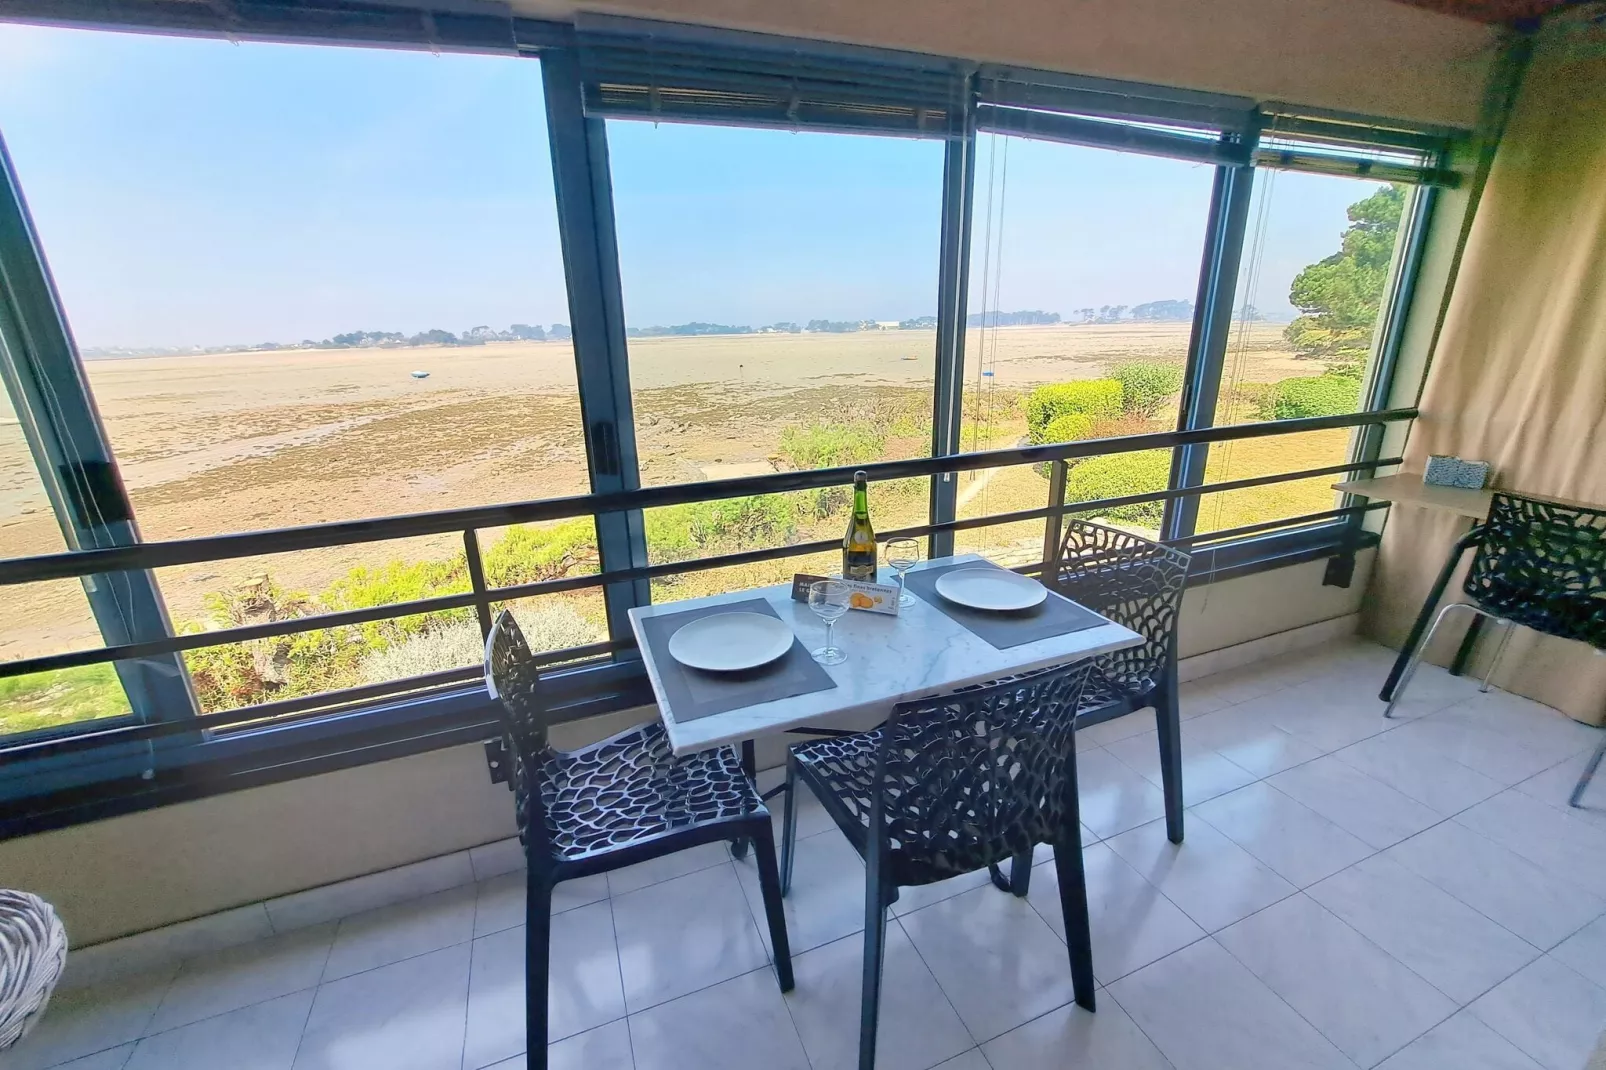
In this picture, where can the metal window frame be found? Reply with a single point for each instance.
(370, 726)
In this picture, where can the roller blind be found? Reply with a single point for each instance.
(678, 74)
(1334, 145)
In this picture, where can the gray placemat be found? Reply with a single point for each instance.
(1056, 615)
(692, 693)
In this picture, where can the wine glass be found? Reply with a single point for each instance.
(903, 554)
(829, 600)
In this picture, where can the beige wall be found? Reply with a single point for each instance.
(1373, 56)
(153, 868)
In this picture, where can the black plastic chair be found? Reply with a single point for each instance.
(612, 804)
(1540, 565)
(1139, 584)
(947, 786)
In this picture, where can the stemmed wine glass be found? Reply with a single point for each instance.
(903, 554)
(829, 600)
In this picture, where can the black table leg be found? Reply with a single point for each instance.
(1425, 618)
(1469, 642)
(750, 767)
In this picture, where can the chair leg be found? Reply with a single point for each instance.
(1415, 657)
(1073, 907)
(750, 767)
(537, 944)
(1020, 874)
(1499, 652)
(789, 824)
(1168, 728)
(875, 938)
(1577, 797)
(769, 883)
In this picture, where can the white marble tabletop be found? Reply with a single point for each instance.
(920, 652)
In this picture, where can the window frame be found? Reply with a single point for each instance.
(50, 787)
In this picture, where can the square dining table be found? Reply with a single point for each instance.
(918, 653)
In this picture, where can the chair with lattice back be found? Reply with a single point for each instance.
(1539, 565)
(951, 785)
(1139, 584)
(612, 804)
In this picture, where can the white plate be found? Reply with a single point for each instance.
(730, 642)
(990, 588)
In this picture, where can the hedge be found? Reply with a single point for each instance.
(1146, 384)
(1117, 475)
(1094, 398)
(1067, 427)
(1328, 394)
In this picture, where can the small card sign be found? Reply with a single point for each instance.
(870, 597)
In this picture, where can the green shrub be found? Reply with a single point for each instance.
(676, 532)
(1146, 384)
(829, 445)
(1067, 427)
(1117, 475)
(1328, 394)
(527, 554)
(1095, 398)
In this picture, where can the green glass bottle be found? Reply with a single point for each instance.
(858, 545)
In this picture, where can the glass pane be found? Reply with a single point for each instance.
(780, 291)
(1084, 264)
(1319, 266)
(43, 618)
(320, 284)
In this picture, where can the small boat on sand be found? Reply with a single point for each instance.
(420, 375)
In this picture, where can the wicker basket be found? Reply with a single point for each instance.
(33, 950)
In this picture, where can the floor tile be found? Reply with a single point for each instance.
(1325, 716)
(1552, 1013)
(1196, 697)
(923, 895)
(607, 1047)
(1454, 948)
(1569, 847)
(811, 817)
(1357, 995)
(1417, 767)
(1132, 923)
(826, 901)
(1536, 726)
(1498, 883)
(500, 903)
(1205, 774)
(998, 962)
(685, 934)
(1246, 737)
(315, 906)
(1301, 845)
(405, 1016)
(390, 934)
(1460, 1043)
(918, 1030)
(494, 859)
(1114, 798)
(228, 980)
(1585, 951)
(85, 1021)
(667, 867)
(110, 1059)
(735, 1025)
(260, 1037)
(970, 1060)
(1454, 734)
(583, 987)
(1204, 1010)
(1212, 879)
(1233, 686)
(1368, 809)
(1106, 732)
(1554, 787)
(1073, 1037)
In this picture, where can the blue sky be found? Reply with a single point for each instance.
(196, 192)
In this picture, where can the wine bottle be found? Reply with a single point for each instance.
(858, 545)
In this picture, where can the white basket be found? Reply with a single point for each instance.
(33, 951)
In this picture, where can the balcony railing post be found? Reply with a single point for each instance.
(1054, 522)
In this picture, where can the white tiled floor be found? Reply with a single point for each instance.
(1353, 892)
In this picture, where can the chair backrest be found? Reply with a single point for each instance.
(1543, 565)
(968, 779)
(512, 679)
(1133, 582)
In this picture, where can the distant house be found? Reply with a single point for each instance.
(888, 325)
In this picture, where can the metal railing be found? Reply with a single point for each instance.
(480, 596)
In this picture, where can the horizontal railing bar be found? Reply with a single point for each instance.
(443, 603)
(1270, 525)
(315, 536)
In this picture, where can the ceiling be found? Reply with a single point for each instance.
(1494, 12)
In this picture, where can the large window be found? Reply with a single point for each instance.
(1084, 265)
(1320, 264)
(310, 284)
(779, 291)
